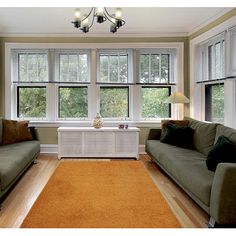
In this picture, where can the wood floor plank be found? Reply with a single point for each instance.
(19, 201)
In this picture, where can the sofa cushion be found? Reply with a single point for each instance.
(186, 166)
(164, 124)
(204, 135)
(15, 131)
(223, 151)
(0, 130)
(178, 136)
(14, 158)
(227, 132)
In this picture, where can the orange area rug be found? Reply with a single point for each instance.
(115, 194)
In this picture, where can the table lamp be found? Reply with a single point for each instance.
(180, 99)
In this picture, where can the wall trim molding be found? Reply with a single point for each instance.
(53, 148)
(49, 148)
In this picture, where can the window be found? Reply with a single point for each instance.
(156, 69)
(73, 67)
(114, 102)
(31, 102)
(214, 100)
(153, 105)
(73, 102)
(211, 67)
(113, 66)
(31, 96)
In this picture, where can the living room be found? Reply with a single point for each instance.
(117, 96)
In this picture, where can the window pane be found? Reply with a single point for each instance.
(164, 68)
(33, 67)
(123, 68)
(155, 68)
(31, 102)
(113, 68)
(153, 102)
(218, 59)
(144, 68)
(215, 103)
(73, 102)
(114, 102)
(73, 67)
(210, 61)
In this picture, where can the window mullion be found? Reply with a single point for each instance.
(150, 76)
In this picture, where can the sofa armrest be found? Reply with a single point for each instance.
(154, 134)
(223, 194)
(34, 133)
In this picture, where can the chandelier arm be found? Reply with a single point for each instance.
(88, 14)
(111, 17)
(93, 18)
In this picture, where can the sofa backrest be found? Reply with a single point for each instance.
(0, 130)
(204, 135)
(226, 131)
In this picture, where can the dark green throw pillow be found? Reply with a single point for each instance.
(181, 136)
(223, 151)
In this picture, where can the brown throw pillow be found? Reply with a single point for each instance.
(24, 133)
(15, 131)
(164, 124)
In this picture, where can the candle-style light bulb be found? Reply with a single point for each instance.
(77, 14)
(118, 13)
(99, 11)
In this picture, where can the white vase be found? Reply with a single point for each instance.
(97, 121)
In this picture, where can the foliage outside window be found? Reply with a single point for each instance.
(113, 68)
(214, 103)
(31, 102)
(114, 102)
(73, 67)
(73, 102)
(153, 102)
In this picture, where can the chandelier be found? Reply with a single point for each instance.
(102, 15)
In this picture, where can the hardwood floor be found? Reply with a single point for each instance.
(19, 201)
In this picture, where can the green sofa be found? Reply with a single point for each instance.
(15, 159)
(215, 192)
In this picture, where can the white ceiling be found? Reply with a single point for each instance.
(139, 21)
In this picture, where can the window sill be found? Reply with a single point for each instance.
(148, 124)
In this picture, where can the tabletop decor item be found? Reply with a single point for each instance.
(97, 121)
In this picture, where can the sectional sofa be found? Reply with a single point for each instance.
(214, 192)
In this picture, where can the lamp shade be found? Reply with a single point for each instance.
(177, 98)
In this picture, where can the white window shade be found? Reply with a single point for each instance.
(114, 66)
(157, 66)
(232, 52)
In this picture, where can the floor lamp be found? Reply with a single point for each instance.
(179, 99)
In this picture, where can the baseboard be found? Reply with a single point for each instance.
(141, 149)
(53, 148)
(49, 148)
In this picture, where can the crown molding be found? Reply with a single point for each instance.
(210, 20)
(102, 35)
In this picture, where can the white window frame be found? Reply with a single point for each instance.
(197, 98)
(93, 89)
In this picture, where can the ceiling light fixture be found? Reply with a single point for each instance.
(82, 21)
